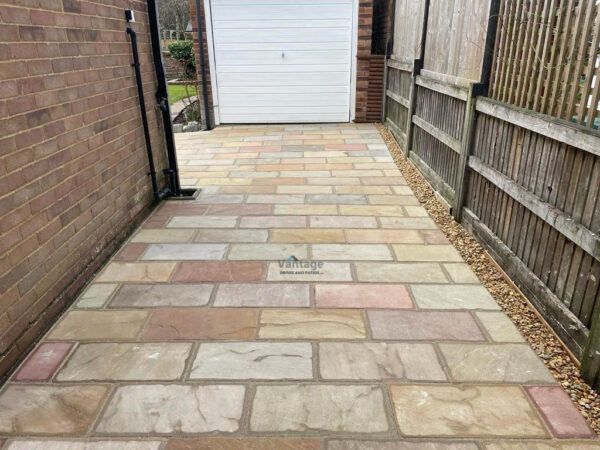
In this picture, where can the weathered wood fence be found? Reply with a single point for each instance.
(520, 168)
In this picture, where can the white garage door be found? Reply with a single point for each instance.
(282, 61)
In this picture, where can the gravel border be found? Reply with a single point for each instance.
(539, 335)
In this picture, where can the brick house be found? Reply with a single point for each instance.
(288, 63)
(73, 164)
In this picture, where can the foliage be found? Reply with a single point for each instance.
(179, 91)
(174, 14)
(183, 51)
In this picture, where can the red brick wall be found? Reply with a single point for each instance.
(173, 67)
(73, 165)
(365, 21)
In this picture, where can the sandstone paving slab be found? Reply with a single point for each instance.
(400, 445)
(43, 362)
(267, 252)
(379, 361)
(202, 222)
(239, 210)
(329, 271)
(151, 236)
(210, 443)
(273, 222)
(126, 361)
(228, 236)
(424, 325)
(372, 210)
(303, 408)
(465, 411)
(52, 410)
(99, 325)
(343, 199)
(276, 198)
(53, 444)
(559, 412)
(218, 271)
(379, 272)
(96, 295)
(263, 295)
(499, 327)
(305, 210)
(169, 252)
(219, 198)
(408, 223)
(416, 252)
(309, 235)
(173, 408)
(311, 324)
(130, 252)
(384, 236)
(542, 445)
(161, 295)
(460, 273)
(253, 360)
(393, 199)
(192, 323)
(506, 363)
(343, 222)
(137, 272)
(351, 252)
(453, 296)
(363, 295)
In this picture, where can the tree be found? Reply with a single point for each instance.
(174, 14)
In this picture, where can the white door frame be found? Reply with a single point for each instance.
(213, 65)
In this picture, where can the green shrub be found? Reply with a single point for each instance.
(183, 51)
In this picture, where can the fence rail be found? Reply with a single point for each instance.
(520, 169)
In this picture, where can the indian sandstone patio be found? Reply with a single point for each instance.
(193, 337)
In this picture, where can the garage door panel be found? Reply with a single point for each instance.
(298, 100)
(283, 79)
(284, 57)
(280, 23)
(282, 61)
(252, 11)
(292, 89)
(281, 35)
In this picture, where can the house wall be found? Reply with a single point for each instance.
(364, 79)
(73, 164)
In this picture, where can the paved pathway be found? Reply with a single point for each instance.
(304, 301)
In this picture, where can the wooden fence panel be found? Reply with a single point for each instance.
(547, 58)
(398, 94)
(534, 199)
(408, 25)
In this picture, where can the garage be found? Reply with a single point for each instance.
(282, 61)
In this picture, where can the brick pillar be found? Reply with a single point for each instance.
(365, 24)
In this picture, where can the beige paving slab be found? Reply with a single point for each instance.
(454, 296)
(273, 222)
(379, 361)
(384, 236)
(465, 411)
(202, 222)
(304, 189)
(311, 235)
(228, 236)
(267, 252)
(503, 363)
(151, 236)
(408, 223)
(542, 445)
(351, 252)
(160, 409)
(499, 326)
(416, 252)
(96, 295)
(372, 210)
(98, 325)
(170, 252)
(357, 409)
(342, 222)
(253, 361)
(125, 361)
(80, 444)
(161, 295)
(309, 271)
(263, 295)
(311, 324)
(305, 210)
(50, 410)
(460, 273)
(400, 272)
(137, 272)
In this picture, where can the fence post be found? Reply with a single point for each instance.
(412, 103)
(590, 359)
(466, 142)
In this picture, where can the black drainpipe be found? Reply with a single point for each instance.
(162, 97)
(202, 66)
(158, 195)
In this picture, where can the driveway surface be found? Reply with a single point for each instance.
(303, 301)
